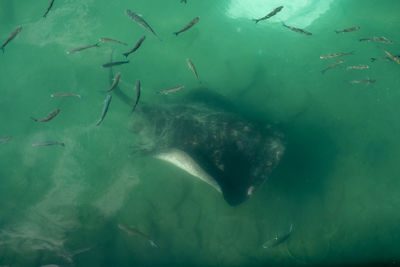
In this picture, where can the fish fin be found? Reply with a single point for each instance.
(34, 119)
(126, 55)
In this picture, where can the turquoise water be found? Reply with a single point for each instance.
(337, 182)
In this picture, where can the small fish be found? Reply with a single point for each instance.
(138, 19)
(48, 8)
(12, 36)
(297, 29)
(105, 109)
(65, 95)
(175, 89)
(332, 66)
(357, 67)
(352, 29)
(278, 239)
(116, 63)
(132, 231)
(382, 40)
(5, 139)
(48, 117)
(192, 67)
(273, 13)
(115, 82)
(373, 59)
(365, 81)
(395, 59)
(336, 55)
(137, 94)
(136, 47)
(82, 48)
(190, 24)
(50, 143)
(108, 40)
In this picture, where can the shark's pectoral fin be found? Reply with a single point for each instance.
(182, 160)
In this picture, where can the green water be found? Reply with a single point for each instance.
(338, 182)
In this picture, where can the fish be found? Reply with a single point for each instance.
(365, 81)
(357, 67)
(136, 47)
(115, 82)
(49, 143)
(332, 66)
(336, 55)
(395, 59)
(296, 29)
(373, 59)
(135, 232)
(5, 139)
(175, 89)
(381, 39)
(137, 94)
(116, 63)
(78, 49)
(188, 26)
(273, 13)
(352, 29)
(65, 95)
(230, 154)
(192, 67)
(48, 8)
(139, 20)
(48, 117)
(12, 36)
(108, 40)
(105, 109)
(279, 238)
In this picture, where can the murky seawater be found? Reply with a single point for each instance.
(337, 183)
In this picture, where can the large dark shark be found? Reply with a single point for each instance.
(222, 148)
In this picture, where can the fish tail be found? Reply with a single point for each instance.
(176, 33)
(126, 54)
(256, 20)
(2, 49)
(337, 31)
(34, 119)
(97, 44)
(373, 59)
(153, 244)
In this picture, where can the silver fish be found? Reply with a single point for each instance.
(175, 89)
(192, 67)
(48, 117)
(137, 94)
(82, 48)
(50, 143)
(336, 55)
(48, 8)
(116, 63)
(132, 231)
(365, 81)
(349, 29)
(278, 239)
(296, 29)
(12, 36)
(108, 40)
(381, 39)
(395, 59)
(357, 67)
(136, 47)
(115, 82)
(273, 13)
(332, 66)
(5, 139)
(65, 95)
(188, 26)
(105, 109)
(373, 59)
(138, 19)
